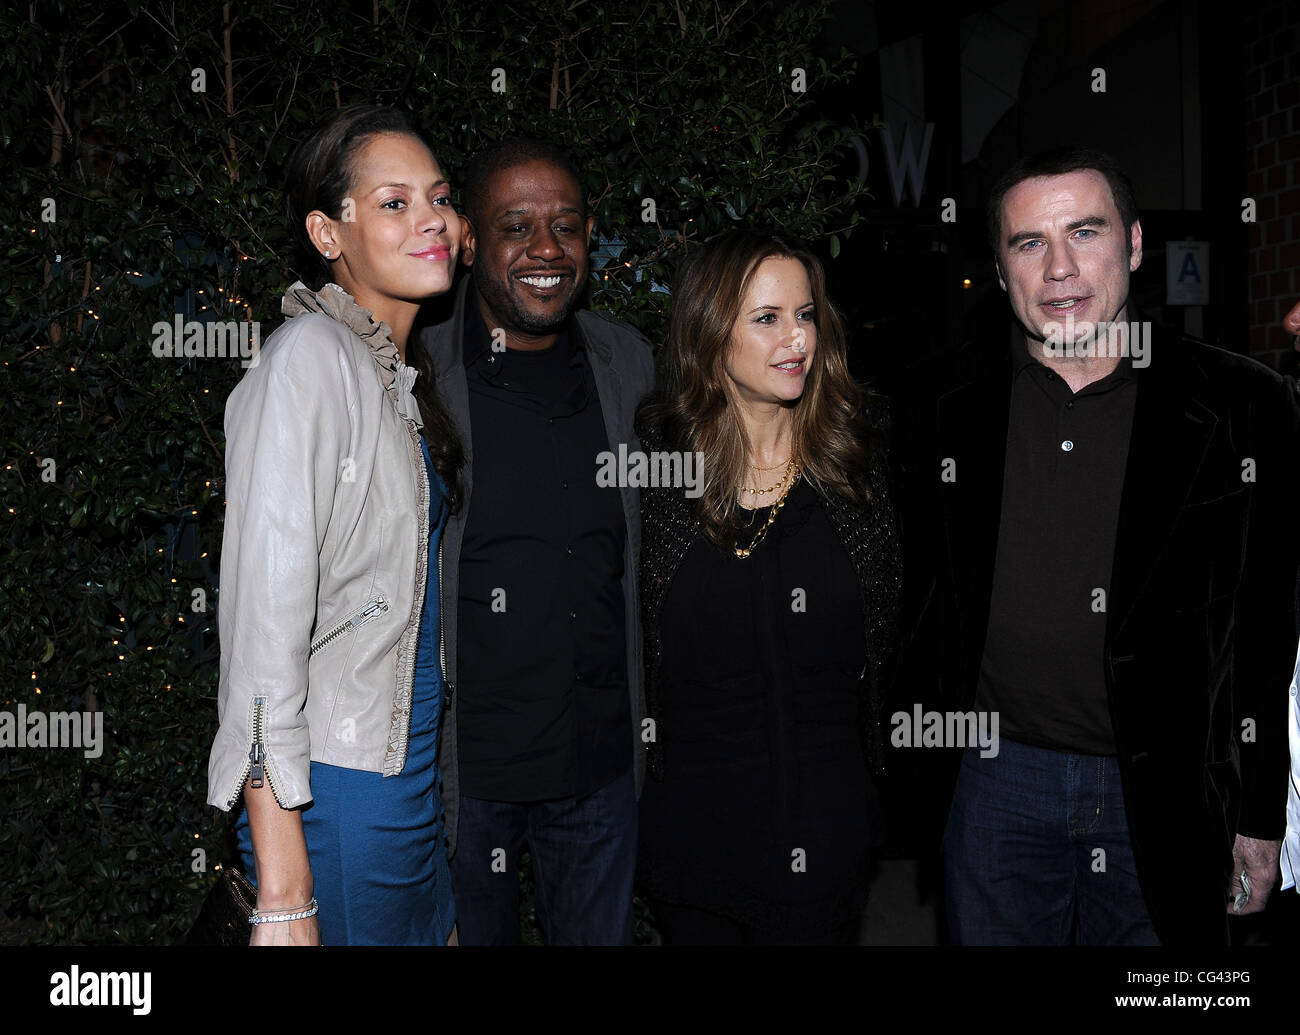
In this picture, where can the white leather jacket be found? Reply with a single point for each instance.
(323, 560)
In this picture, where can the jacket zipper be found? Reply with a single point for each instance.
(400, 727)
(257, 767)
(257, 753)
(369, 610)
(448, 685)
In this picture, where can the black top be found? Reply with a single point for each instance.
(542, 645)
(764, 811)
(1044, 656)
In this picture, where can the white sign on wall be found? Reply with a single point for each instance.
(1187, 273)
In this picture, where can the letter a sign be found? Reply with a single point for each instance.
(1187, 273)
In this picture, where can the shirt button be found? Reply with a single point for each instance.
(1067, 445)
(573, 614)
(550, 420)
(564, 485)
(1069, 405)
(569, 550)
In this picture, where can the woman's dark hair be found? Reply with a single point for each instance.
(319, 176)
(695, 409)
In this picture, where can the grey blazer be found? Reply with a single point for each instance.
(622, 364)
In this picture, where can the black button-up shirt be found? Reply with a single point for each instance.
(542, 646)
(1043, 668)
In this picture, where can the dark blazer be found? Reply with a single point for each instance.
(1202, 609)
(622, 365)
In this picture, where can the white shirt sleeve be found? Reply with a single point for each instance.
(1291, 846)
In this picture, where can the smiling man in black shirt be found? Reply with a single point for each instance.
(543, 656)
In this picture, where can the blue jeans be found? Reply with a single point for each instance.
(583, 854)
(1037, 852)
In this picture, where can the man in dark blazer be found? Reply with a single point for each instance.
(1099, 548)
(542, 649)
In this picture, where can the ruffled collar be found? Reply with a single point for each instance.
(398, 379)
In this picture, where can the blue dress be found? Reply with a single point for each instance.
(377, 845)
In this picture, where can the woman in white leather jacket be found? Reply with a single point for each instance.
(341, 467)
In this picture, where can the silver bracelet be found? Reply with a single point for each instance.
(275, 917)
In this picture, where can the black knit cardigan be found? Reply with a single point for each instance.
(669, 529)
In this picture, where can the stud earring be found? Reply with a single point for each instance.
(327, 253)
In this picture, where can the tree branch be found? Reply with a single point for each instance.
(227, 26)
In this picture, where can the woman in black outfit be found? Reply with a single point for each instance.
(768, 603)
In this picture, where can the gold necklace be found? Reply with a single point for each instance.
(744, 551)
(784, 463)
(785, 478)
